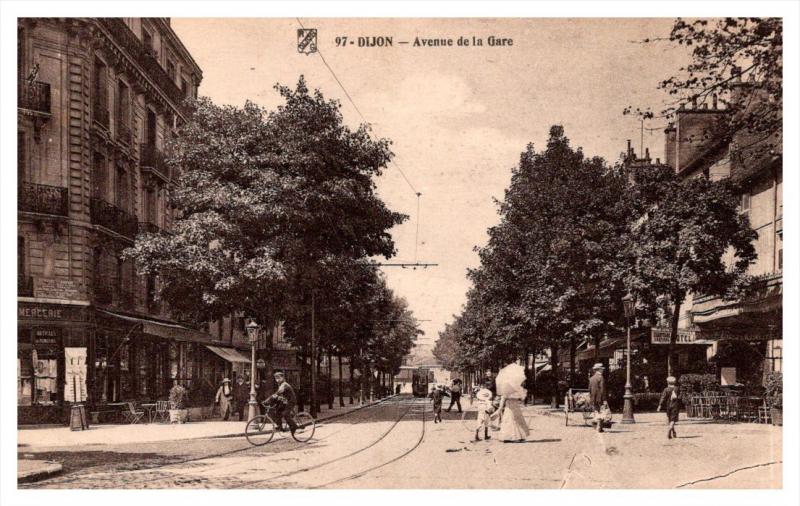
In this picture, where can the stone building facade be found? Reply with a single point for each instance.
(98, 101)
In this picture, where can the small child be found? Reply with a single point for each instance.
(485, 410)
(436, 395)
(671, 398)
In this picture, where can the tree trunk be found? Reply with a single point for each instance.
(672, 369)
(330, 379)
(341, 392)
(302, 391)
(318, 397)
(554, 402)
(350, 383)
(572, 350)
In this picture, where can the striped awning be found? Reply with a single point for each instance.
(230, 354)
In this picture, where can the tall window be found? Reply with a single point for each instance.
(171, 70)
(100, 90)
(99, 177)
(122, 188)
(123, 104)
(21, 52)
(21, 263)
(22, 159)
(147, 40)
(152, 122)
(745, 203)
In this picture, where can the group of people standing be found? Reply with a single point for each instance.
(233, 397)
(502, 412)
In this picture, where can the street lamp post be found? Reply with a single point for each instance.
(252, 334)
(627, 410)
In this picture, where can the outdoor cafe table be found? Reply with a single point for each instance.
(150, 407)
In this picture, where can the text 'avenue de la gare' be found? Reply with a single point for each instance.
(390, 41)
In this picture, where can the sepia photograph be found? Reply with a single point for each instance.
(398, 251)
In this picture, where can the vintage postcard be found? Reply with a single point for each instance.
(306, 252)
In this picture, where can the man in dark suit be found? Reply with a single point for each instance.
(597, 391)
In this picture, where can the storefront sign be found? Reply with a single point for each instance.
(51, 288)
(662, 336)
(47, 337)
(51, 312)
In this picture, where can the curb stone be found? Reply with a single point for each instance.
(46, 469)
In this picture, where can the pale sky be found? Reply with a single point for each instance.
(458, 116)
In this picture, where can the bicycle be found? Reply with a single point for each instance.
(261, 429)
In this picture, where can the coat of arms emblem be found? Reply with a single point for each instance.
(307, 40)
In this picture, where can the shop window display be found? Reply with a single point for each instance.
(38, 356)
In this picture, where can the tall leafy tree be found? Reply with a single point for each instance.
(265, 197)
(551, 270)
(689, 238)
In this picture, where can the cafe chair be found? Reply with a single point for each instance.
(132, 415)
(162, 411)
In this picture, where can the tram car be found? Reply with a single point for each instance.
(421, 378)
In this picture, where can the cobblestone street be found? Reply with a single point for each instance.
(370, 449)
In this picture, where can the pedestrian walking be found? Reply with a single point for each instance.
(597, 393)
(241, 396)
(225, 398)
(483, 399)
(671, 398)
(436, 395)
(513, 427)
(455, 395)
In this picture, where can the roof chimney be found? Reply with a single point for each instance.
(646, 153)
(714, 101)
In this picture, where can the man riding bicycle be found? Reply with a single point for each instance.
(284, 401)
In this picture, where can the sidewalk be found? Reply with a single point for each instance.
(34, 439)
(33, 470)
(706, 454)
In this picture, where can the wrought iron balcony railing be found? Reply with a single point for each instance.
(121, 33)
(100, 114)
(33, 96)
(24, 286)
(44, 199)
(103, 293)
(124, 134)
(154, 160)
(145, 227)
(113, 218)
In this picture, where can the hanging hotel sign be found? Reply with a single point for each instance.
(685, 336)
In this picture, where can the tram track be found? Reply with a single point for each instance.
(342, 457)
(384, 464)
(107, 476)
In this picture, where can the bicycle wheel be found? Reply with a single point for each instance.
(306, 425)
(260, 430)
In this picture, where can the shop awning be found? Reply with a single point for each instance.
(229, 354)
(161, 329)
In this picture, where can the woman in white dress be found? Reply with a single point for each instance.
(513, 427)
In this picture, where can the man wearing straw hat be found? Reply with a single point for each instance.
(597, 392)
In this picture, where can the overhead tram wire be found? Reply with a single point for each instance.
(416, 262)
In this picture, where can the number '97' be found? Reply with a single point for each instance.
(341, 41)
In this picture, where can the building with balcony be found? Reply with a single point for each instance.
(745, 336)
(98, 101)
